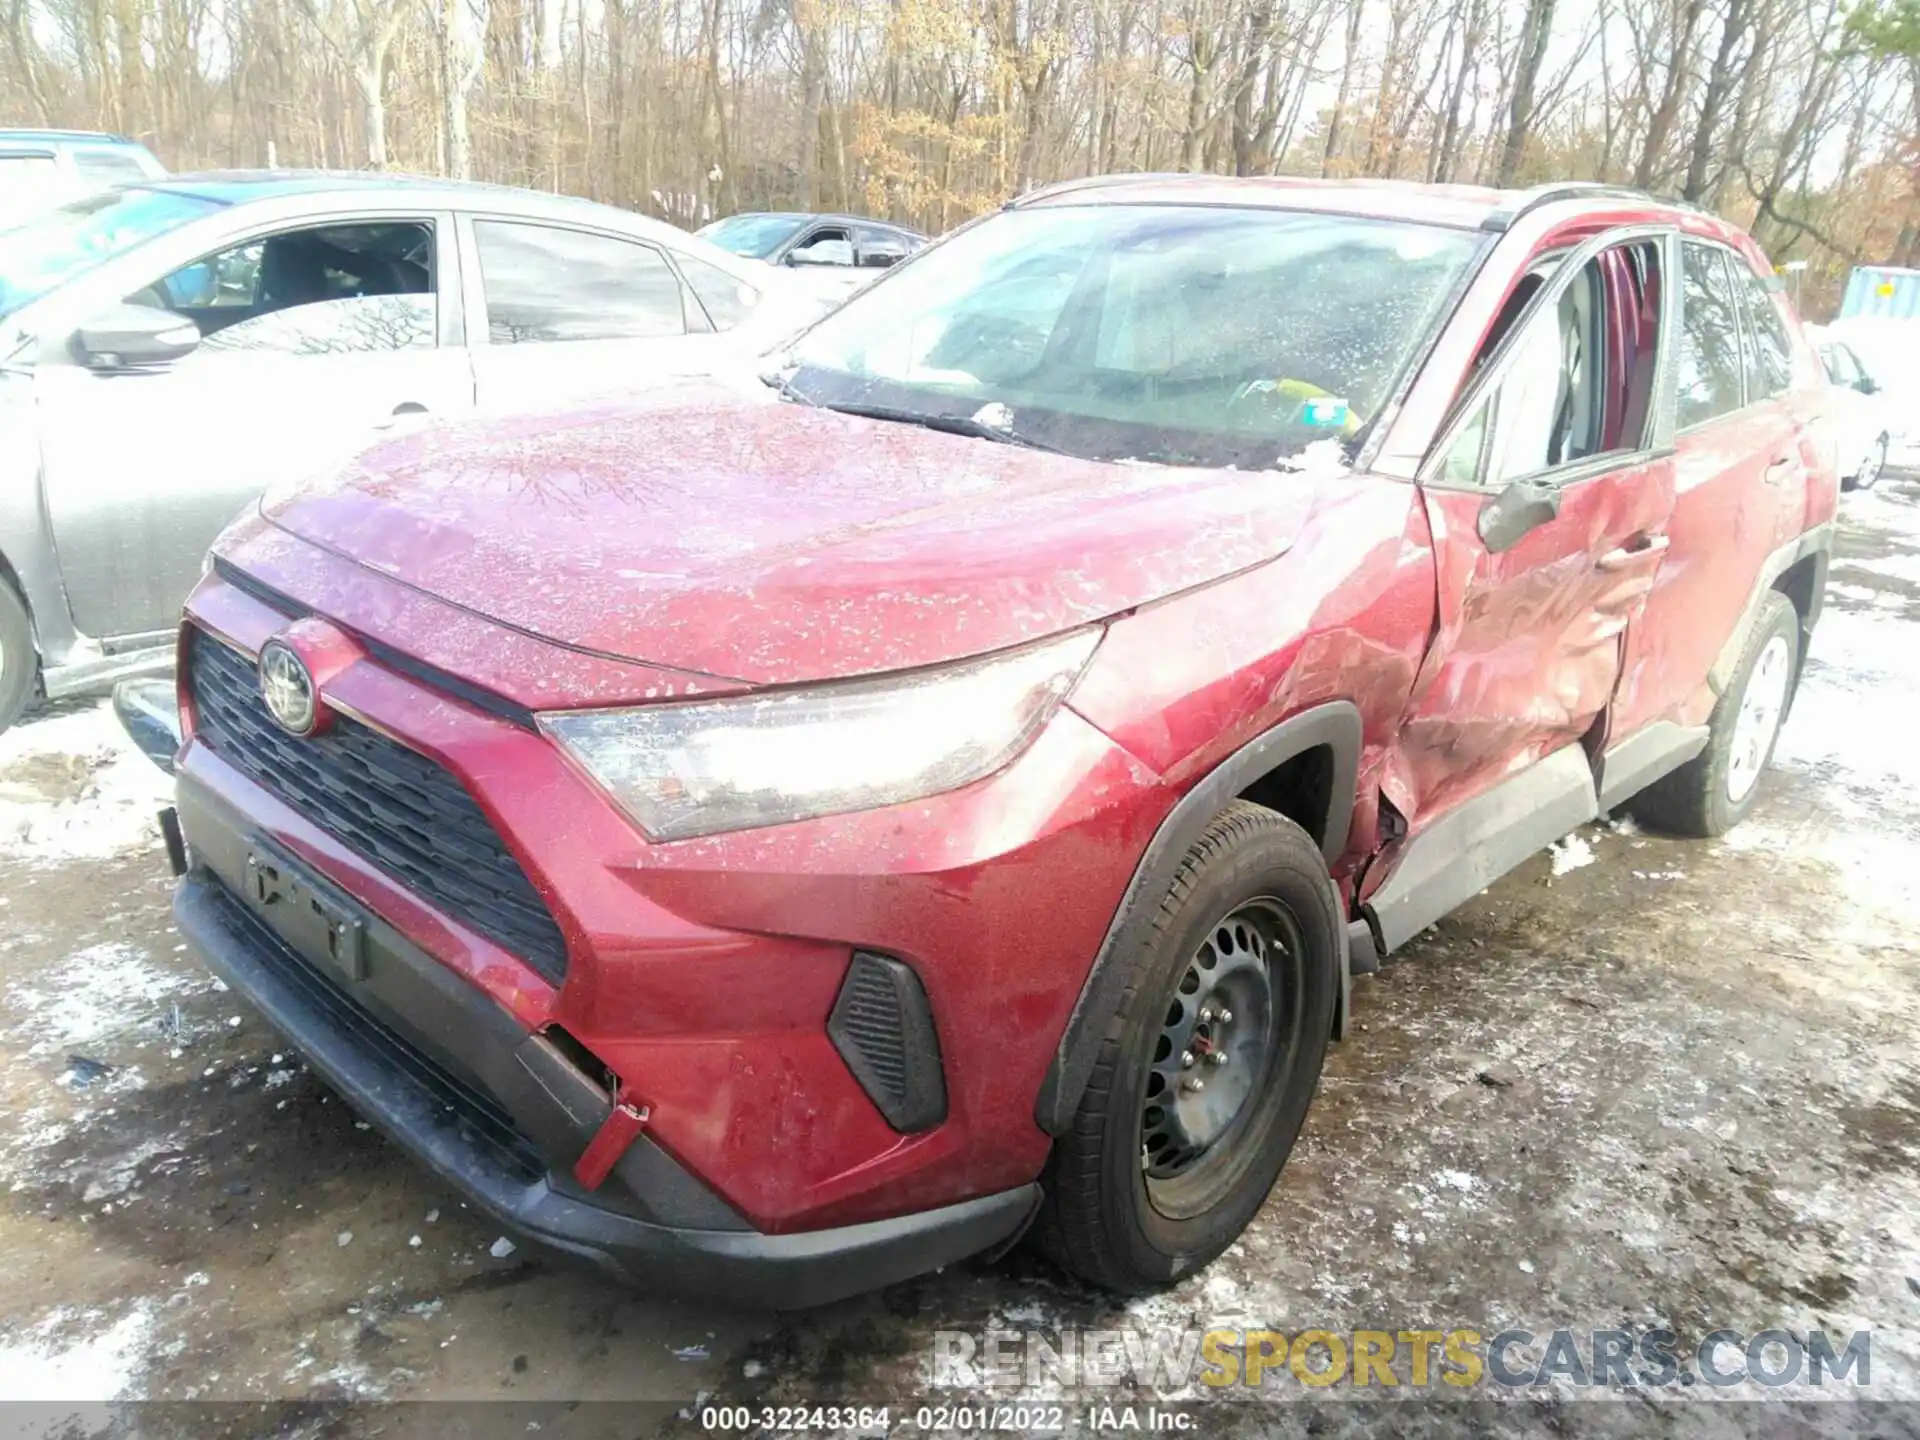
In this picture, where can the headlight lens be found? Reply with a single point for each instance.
(704, 767)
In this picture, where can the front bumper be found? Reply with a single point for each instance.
(499, 1113)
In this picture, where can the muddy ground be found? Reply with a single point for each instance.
(1639, 1083)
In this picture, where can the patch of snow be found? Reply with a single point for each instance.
(106, 796)
(42, 1363)
(1571, 854)
(96, 993)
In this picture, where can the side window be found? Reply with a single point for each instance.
(824, 247)
(726, 300)
(358, 325)
(879, 248)
(1552, 402)
(1580, 383)
(1769, 352)
(1709, 370)
(300, 269)
(105, 165)
(545, 284)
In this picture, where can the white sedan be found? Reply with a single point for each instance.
(1870, 413)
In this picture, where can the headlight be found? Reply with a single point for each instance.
(707, 766)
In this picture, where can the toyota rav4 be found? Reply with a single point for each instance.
(775, 839)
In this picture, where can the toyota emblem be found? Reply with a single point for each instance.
(287, 687)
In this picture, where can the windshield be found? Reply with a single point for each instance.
(1181, 334)
(51, 248)
(755, 236)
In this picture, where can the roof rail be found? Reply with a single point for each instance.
(1539, 195)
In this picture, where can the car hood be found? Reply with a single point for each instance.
(767, 542)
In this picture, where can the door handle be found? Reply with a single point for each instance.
(1637, 549)
(1780, 470)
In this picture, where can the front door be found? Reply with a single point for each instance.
(315, 339)
(1527, 650)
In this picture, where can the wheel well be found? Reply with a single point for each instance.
(1300, 788)
(1802, 582)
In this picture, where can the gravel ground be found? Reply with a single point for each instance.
(1640, 1083)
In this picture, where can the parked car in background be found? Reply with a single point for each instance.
(40, 169)
(1872, 364)
(777, 842)
(168, 349)
(846, 246)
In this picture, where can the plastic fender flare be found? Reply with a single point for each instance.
(1335, 725)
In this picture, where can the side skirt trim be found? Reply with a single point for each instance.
(1643, 757)
(1471, 846)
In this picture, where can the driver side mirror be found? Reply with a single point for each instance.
(1516, 512)
(135, 337)
(1867, 385)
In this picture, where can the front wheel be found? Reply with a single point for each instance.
(19, 662)
(1202, 1084)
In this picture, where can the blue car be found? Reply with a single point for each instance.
(40, 169)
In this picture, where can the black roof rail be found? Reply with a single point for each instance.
(1558, 190)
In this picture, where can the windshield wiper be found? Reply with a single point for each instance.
(968, 425)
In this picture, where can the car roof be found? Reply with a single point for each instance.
(843, 218)
(1465, 207)
(63, 137)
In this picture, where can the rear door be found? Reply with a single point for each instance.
(562, 311)
(1739, 468)
(1527, 651)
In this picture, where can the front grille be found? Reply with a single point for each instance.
(472, 1112)
(391, 805)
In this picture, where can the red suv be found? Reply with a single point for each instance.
(775, 839)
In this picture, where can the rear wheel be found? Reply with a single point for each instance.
(1871, 468)
(19, 662)
(1204, 1080)
(1713, 792)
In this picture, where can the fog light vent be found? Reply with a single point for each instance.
(884, 1031)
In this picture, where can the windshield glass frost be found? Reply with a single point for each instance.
(48, 250)
(1185, 334)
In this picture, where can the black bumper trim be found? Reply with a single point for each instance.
(737, 1266)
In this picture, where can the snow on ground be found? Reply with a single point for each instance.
(74, 787)
(76, 1356)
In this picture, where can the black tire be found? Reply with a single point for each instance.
(1695, 799)
(1100, 1219)
(19, 661)
(1871, 468)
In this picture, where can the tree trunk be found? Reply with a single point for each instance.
(373, 110)
(1667, 113)
(1535, 31)
(1350, 62)
(1719, 82)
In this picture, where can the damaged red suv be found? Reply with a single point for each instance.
(775, 839)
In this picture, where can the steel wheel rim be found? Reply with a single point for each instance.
(1247, 969)
(1758, 722)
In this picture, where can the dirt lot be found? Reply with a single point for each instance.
(1638, 1083)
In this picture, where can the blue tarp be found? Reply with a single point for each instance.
(1883, 291)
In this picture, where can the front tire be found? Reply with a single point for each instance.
(1233, 993)
(19, 661)
(1713, 792)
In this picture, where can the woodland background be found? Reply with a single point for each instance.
(1800, 118)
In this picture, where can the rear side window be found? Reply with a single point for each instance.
(106, 166)
(1769, 352)
(545, 284)
(727, 301)
(1710, 370)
